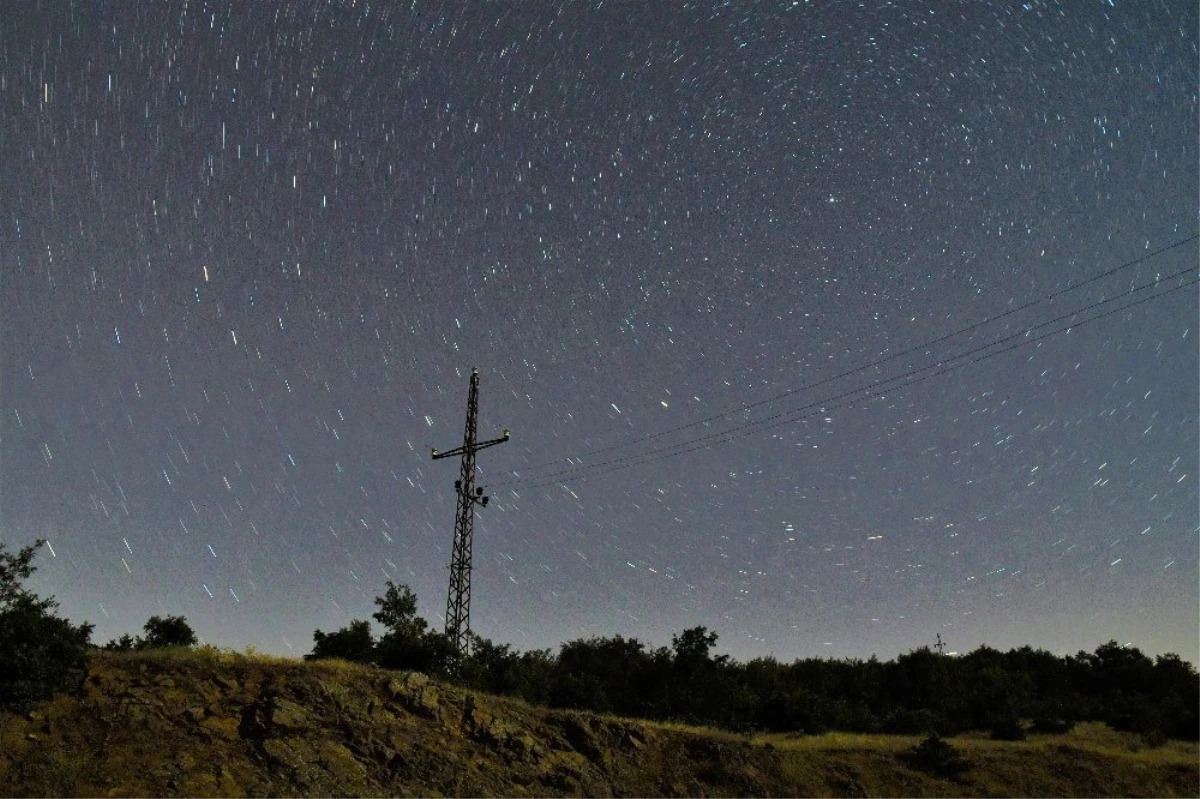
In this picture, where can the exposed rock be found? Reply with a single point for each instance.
(227, 727)
(581, 736)
(243, 727)
(417, 694)
(288, 715)
(481, 724)
(341, 763)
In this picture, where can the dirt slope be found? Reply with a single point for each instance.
(195, 724)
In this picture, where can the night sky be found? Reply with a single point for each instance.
(250, 253)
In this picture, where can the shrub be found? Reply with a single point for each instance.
(1050, 724)
(40, 653)
(914, 722)
(171, 631)
(1007, 728)
(160, 633)
(1154, 739)
(354, 643)
(936, 756)
(126, 643)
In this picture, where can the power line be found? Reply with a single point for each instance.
(196, 311)
(864, 367)
(840, 400)
(585, 473)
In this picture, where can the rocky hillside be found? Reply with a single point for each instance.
(181, 723)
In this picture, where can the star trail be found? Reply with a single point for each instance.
(831, 328)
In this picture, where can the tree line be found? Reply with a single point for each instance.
(919, 692)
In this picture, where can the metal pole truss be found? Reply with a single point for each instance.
(458, 598)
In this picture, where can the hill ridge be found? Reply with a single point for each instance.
(188, 723)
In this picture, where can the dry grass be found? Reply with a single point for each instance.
(1092, 737)
(199, 654)
(1090, 760)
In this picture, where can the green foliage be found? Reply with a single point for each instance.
(398, 612)
(692, 646)
(160, 633)
(126, 643)
(921, 692)
(700, 688)
(914, 721)
(354, 643)
(1052, 720)
(430, 652)
(40, 653)
(407, 645)
(170, 631)
(1007, 728)
(937, 757)
(499, 669)
(610, 675)
(1154, 739)
(14, 570)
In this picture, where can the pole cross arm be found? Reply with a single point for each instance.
(438, 454)
(493, 442)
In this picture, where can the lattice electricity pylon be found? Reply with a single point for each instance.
(458, 599)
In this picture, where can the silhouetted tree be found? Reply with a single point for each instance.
(607, 675)
(398, 612)
(699, 693)
(1179, 694)
(692, 646)
(126, 643)
(169, 631)
(40, 653)
(534, 670)
(489, 667)
(409, 644)
(920, 692)
(161, 632)
(354, 643)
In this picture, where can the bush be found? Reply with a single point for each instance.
(938, 757)
(1007, 728)
(126, 643)
(1154, 739)
(914, 722)
(408, 644)
(160, 633)
(1052, 725)
(171, 631)
(431, 653)
(354, 643)
(40, 653)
